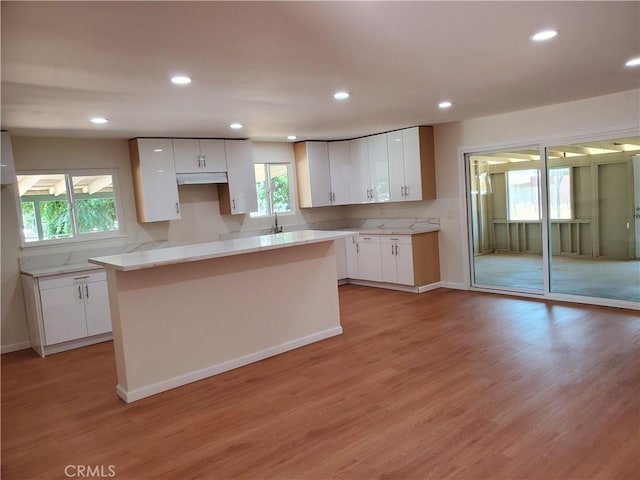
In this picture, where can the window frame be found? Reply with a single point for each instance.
(290, 174)
(76, 235)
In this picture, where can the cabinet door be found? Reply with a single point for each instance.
(396, 166)
(351, 246)
(319, 175)
(242, 177)
(359, 160)
(412, 164)
(214, 157)
(341, 257)
(96, 306)
(404, 259)
(388, 258)
(379, 167)
(63, 313)
(186, 153)
(155, 183)
(340, 172)
(369, 261)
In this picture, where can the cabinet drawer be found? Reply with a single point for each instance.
(68, 279)
(372, 239)
(396, 239)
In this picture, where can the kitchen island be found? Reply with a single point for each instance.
(185, 313)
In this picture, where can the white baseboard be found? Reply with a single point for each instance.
(80, 342)
(454, 285)
(143, 392)
(431, 286)
(14, 347)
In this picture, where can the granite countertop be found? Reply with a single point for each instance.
(225, 248)
(393, 226)
(393, 231)
(59, 269)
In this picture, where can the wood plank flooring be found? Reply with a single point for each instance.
(444, 385)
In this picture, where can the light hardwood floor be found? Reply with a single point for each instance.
(444, 385)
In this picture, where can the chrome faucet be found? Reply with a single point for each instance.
(276, 228)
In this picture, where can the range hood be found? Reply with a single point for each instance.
(201, 178)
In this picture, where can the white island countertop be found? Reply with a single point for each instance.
(225, 248)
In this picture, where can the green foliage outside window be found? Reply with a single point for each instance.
(96, 215)
(280, 192)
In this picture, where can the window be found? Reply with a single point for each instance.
(522, 191)
(273, 189)
(560, 193)
(524, 203)
(68, 205)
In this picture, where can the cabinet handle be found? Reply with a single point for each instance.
(177, 208)
(233, 202)
(81, 278)
(79, 292)
(204, 160)
(357, 248)
(402, 191)
(406, 190)
(200, 160)
(396, 249)
(330, 197)
(391, 249)
(86, 289)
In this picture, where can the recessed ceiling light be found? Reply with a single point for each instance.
(445, 104)
(236, 126)
(99, 120)
(634, 62)
(181, 80)
(544, 35)
(291, 137)
(341, 95)
(157, 149)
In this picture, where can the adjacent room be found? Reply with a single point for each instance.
(320, 240)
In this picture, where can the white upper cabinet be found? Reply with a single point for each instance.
(313, 174)
(154, 179)
(194, 155)
(378, 167)
(239, 195)
(341, 174)
(411, 164)
(359, 159)
(7, 170)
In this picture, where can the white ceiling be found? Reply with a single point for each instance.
(274, 66)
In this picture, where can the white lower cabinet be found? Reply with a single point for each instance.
(369, 264)
(66, 308)
(341, 257)
(408, 260)
(351, 247)
(397, 259)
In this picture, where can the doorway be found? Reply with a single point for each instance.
(557, 219)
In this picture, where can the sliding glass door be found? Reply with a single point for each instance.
(593, 221)
(505, 219)
(578, 205)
